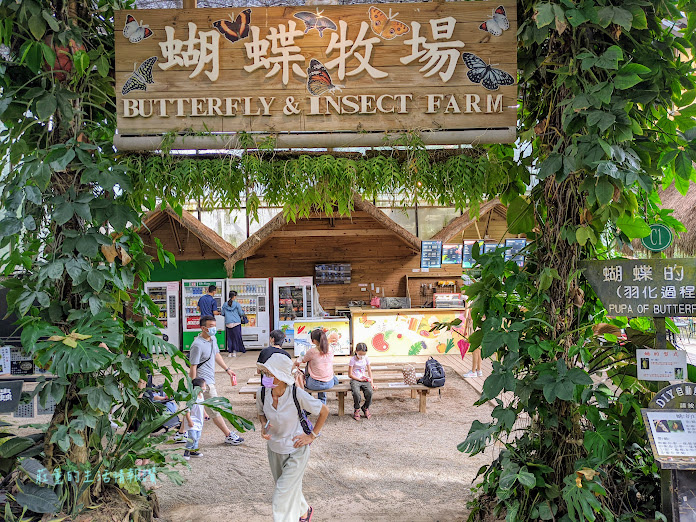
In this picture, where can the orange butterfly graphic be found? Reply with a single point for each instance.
(367, 322)
(319, 80)
(235, 29)
(385, 26)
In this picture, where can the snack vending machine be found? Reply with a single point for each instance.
(191, 291)
(292, 299)
(166, 297)
(253, 295)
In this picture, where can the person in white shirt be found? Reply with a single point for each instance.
(194, 420)
(288, 440)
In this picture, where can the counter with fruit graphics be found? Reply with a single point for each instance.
(337, 330)
(407, 331)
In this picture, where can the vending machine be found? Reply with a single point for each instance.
(292, 299)
(254, 296)
(191, 291)
(166, 297)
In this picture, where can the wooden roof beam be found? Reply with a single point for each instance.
(175, 232)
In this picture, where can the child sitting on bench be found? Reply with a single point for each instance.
(360, 375)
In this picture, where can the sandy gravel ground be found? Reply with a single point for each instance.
(399, 466)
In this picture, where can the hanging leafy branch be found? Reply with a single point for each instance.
(607, 91)
(73, 261)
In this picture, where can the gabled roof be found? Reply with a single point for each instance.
(251, 245)
(155, 219)
(458, 225)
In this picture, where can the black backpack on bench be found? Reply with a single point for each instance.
(434, 375)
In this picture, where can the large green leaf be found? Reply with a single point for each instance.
(633, 227)
(37, 472)
(520, 216)
(37, 499)
(14, 445)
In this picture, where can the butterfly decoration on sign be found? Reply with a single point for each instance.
(315, 21)
(135, 31)
(498, 23)
(365, 321)
(481, 72)
(141, 77)
(235, 29)
(319, 80)
(385, 26)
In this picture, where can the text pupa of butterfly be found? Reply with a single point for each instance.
(141, 77)
(385, 26)
(134, 31)
(480, 72)
(319, 80)
(498, 23)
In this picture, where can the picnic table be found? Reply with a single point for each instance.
(386, 376)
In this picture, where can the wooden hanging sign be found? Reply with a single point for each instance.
(382, 67)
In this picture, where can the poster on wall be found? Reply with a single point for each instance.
(337, 333)
(513, 247)
(388, 334)
(452, 254)
(467, 258)
(431, 254)
(351, 68)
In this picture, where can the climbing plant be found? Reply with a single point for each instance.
(607, 91)
(74, 264)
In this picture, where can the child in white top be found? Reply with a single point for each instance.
(360, 375)
(194, 420)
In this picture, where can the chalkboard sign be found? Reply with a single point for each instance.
(332, 274)
(452, 254)
(10, 392)
(431, 254)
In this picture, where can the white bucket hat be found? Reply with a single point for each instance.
(280, 366)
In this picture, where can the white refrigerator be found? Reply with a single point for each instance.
(166, 296)
(191, 291)
(253, 294)
(293, 298)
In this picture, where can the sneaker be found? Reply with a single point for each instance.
(195, 454)
(367, 414)
(356, 415)
(307, 518)
(230, 355)
(187, 454)
(470, 374)
(480, 373)
(233, 439)
(180, 438)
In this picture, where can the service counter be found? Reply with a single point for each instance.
(406, 331)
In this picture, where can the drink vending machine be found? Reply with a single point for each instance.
(191, 291)
(292, 299)
(254, 296)
(166, 296)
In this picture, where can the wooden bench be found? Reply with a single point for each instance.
(343, 388)
(376, 377)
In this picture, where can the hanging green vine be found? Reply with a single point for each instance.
(305, 182)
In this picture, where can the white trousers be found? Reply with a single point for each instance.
(289, 503)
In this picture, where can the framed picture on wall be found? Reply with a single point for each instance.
(431, 254)
(452, 254)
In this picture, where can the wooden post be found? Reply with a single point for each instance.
(341, 403)
(423, 394)
(190, 4)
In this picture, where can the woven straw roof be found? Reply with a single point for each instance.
(458, 225)
(207, 235)
(251, 245)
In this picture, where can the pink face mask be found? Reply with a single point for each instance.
(268, 382)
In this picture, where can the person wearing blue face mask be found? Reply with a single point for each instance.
(281, 405)
(202, 358)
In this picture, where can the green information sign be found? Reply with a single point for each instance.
(660, 238)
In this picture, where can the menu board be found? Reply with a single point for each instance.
(452, 254)
(673, 432)
(513, 247)
(332, 274)
(431, 254)
(661, 365)
(467, 259)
